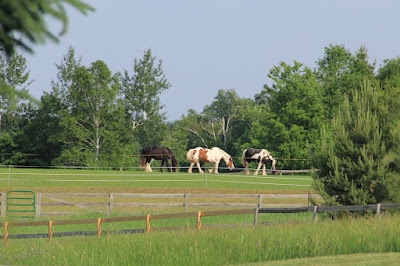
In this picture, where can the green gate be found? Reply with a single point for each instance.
(21, 203)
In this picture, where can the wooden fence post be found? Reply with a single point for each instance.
(110, 203)
(148, 223)
(38, 204)
(50, 230)
(185, 203)
(256, 216)
(98, 226)
(3, 204)
(260, 199)
(199, 220)
(378, 210)
(315, 213)
(5, 232)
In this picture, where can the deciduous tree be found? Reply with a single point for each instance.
(142, 99)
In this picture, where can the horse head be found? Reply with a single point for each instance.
(229, 163)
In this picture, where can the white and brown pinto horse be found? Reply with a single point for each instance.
(262, 156)
(213, 155)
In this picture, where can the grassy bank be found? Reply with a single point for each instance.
(214, 246)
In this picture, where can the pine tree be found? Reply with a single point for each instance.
(28, 20)
(356, 163)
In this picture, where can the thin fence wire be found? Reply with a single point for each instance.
(199, 177)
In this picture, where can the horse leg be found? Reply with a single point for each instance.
(162, 165)
(216, 167)
(198, 167)
(258, 168)
(210, 170)
(168, 168)
(190, 168)
(148, 168)
(246, 168)
(264, 172)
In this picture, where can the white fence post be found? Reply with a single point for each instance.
(38, 204)
(378, 210)
(3, 204)
(315, 213)
(256, 216)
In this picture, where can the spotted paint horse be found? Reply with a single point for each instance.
(213, 155)
(262, 156)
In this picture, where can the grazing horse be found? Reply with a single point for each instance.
(158, 153)
(213, 155)
(262, 156)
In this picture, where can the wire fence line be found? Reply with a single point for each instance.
(236, 170)
(152, 175)
(229, 177)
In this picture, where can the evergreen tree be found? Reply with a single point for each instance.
(15, 78)
(14, 73)
(358, 160)
(28, 19)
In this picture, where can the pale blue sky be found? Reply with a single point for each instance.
(221, 44)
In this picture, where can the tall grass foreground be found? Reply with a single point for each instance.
(214, 246)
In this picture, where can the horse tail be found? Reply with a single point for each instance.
(142, 161)
(244, 157)
(174, 163)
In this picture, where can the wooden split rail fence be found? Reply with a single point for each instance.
(256, 211)
(110, 201)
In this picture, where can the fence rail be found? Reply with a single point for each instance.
(99, 221)
(45, 200)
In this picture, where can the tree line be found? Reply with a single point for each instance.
(341, 116)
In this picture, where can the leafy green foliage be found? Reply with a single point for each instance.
(289, 127)
(334, 114)
(141, 98)
(340, 72)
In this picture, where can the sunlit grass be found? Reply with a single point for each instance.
(222, 246)
(99, 179)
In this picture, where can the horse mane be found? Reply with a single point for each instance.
(224, 153)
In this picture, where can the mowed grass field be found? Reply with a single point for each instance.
(112, 180)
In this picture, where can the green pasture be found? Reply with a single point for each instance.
(28, 178)
(220, 246)
(234, 240)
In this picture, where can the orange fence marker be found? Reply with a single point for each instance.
(148, 223)
(5, 232)
(50, 230)
(99, 226)
(199, 214)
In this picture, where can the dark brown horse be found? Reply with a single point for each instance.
(157, 153)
